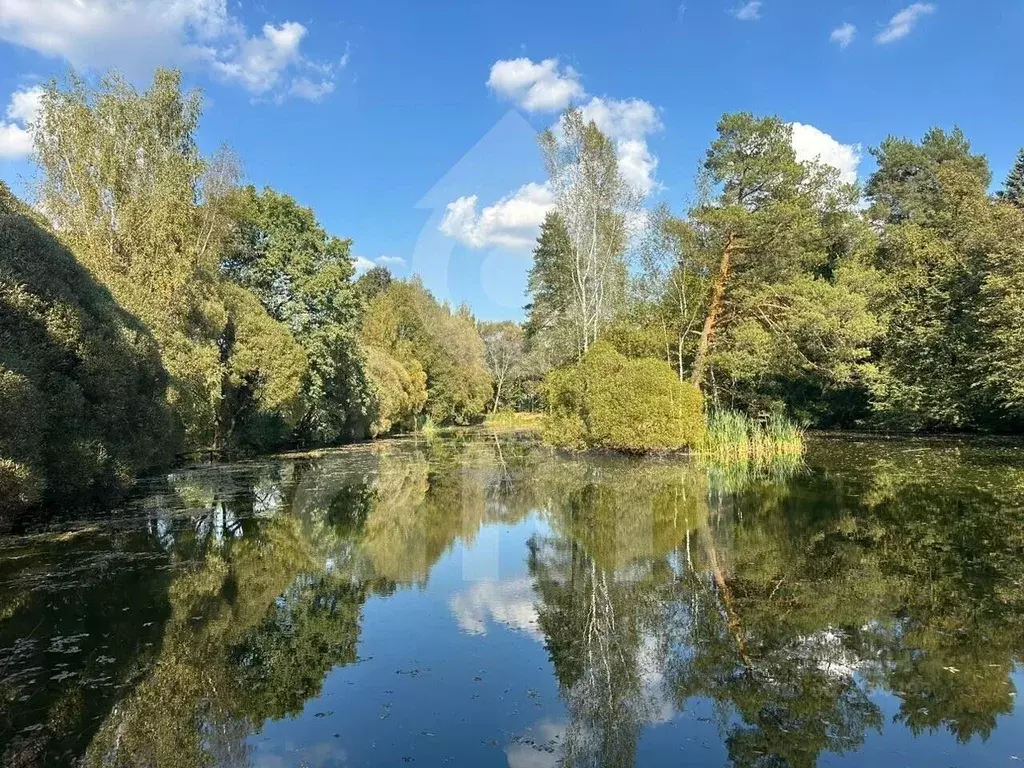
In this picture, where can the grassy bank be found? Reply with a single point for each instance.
(514, 421)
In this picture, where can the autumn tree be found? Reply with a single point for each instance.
(505, 353)
(82, 387)
(426, 337)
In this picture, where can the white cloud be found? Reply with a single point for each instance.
(628, 122)
(16, 135)
(311, 90)
(25, 104)
(136, 36)
(507, 602)
(811, 144)
(512, 223)
(15, 141)
(259, 62)
(749, 12)
(364, 264)
(902, 24)
(536, 87)
(843, 35)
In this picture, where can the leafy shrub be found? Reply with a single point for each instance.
(82, 387)
(609, 401)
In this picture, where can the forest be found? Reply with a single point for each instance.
(153, 305)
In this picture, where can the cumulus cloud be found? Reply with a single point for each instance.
(507, 602)
(629, 122)
(749, 12)
(844, 35)
(512, 223)
(547, 86)
(135, 36)
(15, 132)
(812, 144)
(902, 24)
(544, 86)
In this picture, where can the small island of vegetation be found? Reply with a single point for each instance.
(152, 306)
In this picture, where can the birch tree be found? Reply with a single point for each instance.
(504, 352)
(595, 207)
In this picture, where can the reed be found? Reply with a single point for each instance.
(735, 437)
(514, 421)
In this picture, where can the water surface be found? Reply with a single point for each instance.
(478, 600)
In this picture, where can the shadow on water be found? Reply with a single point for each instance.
(872, 595)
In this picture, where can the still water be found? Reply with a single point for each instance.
(477, 600)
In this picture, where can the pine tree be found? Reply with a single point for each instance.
(1014, 189)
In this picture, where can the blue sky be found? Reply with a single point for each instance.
(408, 126)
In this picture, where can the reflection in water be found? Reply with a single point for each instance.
(773, 613)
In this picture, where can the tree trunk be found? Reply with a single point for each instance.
(700, 363)
(497, 394)
(732, 616)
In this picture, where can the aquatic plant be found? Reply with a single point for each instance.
(732, 436)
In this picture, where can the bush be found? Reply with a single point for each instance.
(82, 387)
(608, 401)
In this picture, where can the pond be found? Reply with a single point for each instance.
(479, 600)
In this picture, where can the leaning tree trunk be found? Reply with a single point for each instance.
(732, 615)
(700, 363)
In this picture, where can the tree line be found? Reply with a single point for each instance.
(783, 290)
(152, 305)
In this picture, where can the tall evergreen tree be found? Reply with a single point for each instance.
(1013, 191)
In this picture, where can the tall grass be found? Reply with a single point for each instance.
(735, 437)
(429, 428)
(514, 421)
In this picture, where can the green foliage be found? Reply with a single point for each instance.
(770, 264)
(580, 274)
(399, 392)
(948, 264)
(1013, 190)
(374, 281)
(82, 405)
(908, 184)
(303, 277)
(264, 373)
(736, 437)
(137, 226)
(550, 324)
(407, 323)
(610, 402)
(148, 217)
(516, 367)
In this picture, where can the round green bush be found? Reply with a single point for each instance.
(611, 402)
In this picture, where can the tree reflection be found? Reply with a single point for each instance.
(784, 602)
(785, 599)
(272, 571)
